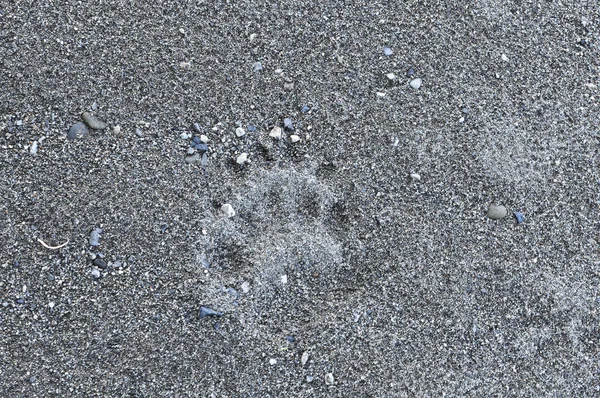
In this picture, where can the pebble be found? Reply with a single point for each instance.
(196, 140)
(227, 209)
(245, 287)
(204, 160)
(288, 86)
(242, 158)
(95, 106)
(233, 292)
(519, 216)
(201, 147)
(278, 71)
(251, 128)
(391, 76)
(205, 311)
(117, 129)
(191, 151)
(95, 237)
(284, 279)
(96, 273)
(34, 148)
(138, 132)
(309, 379)
(305, 109)
(100, 263)
(287, 124)
(380, 94)
(272, 361)
(78, 129)
(387, 51)
(410, 72)
(257, 67)
(304, 359)
(275, 132)
(197, 127)
(185, 65)
(496, 212)
(290, 339)
(192, 159)
(204, 139)
(253, 36)
(294, 138)
(329, 380)
(416, 83)
(92, 121)
(415, 176)
(240, 132)
(504, 58)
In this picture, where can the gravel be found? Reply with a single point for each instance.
(395, 286)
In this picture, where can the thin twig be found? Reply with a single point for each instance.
(52, 247)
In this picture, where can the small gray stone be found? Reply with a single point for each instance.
(139, 132)
(257, 67)
(192, 159)
(288, 86)
(287, 124)
(95, 237)
(34, 148)
(204, 160)
(309, 379)
(96, 273)
(416, 83)
(191, 151)
(92, 121)
(78, 129)
(496, 212)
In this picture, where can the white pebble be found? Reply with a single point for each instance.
(245, 287)
(117, 129)
(380, 94)
(504, 58)
(34, 148)
(275, 132)
(272, 361)
(329, 380)
(228, 210)
(461, 120)
(416, 83)
(390, 76)
(294, 138)
(253, 36)
(309, 379)
(242, 158)
(415, 177)
(278, 71)
(96, 273)
(305, 358)
(284, 279)
(182, 31)
(204, 139)
(51, 304)
(240, 132)
(185, 65)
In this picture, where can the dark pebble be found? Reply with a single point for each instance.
(520, 217)
(205, 311)
(201, 147)
(21, 301)
(291, 339)
(163, 228)
(197, 128)
(287, 123)
(410, 72)
(251, 128)
(78, 129)
(196, 140)
(305, 109)
(100, 263)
